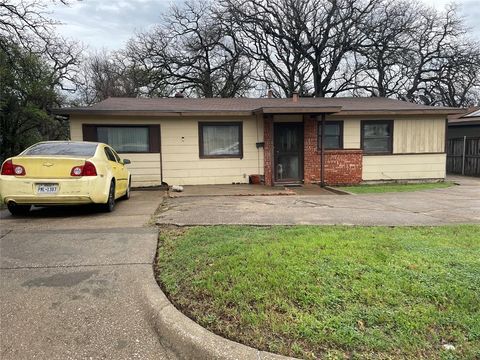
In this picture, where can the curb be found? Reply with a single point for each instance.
(338, 191)
(188, 340)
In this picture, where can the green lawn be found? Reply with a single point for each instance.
(330, 291)
(392, 187)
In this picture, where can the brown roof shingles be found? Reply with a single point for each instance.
(246, 106)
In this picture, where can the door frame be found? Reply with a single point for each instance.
(301, 151)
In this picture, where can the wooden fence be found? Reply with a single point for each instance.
(463, 156)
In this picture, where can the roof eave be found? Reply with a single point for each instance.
(399, 112)
(152, 112)
(298, 110)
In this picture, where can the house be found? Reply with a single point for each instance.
(223, 141)
(463, 144)
(464, 124)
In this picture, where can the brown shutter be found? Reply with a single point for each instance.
(154, 138)
(89, 132)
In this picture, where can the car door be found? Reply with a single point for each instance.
(117, 171)
(124, 173)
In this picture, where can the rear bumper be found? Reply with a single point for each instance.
(70, 191)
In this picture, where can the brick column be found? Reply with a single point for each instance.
(311, 157)
(268, 149)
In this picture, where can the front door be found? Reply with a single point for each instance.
(288, 152)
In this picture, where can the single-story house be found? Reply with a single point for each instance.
(187, 141)
(464, 124)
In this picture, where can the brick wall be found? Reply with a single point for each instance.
(268, 149)
(342, 167)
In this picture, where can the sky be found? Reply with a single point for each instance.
(108, 24)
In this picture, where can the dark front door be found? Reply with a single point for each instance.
(288, 152)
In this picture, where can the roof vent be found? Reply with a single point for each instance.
(295, 96)
(179, 95)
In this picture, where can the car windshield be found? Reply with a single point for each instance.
(62, 148)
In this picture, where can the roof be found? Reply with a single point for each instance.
(469, 117)
(249, 106)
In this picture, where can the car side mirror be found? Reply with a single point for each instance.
(126, 162)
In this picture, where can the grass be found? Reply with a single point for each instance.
(395, 187)
(330, 291)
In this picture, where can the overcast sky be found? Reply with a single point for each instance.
(110, 23)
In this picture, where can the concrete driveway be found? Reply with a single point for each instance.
(455, 205)
(71, 281)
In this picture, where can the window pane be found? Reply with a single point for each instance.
(376, 145)
(332, 129)
(377, 137)
(125, 139)
(332, 142)
(332, 135)
(221, 140)
(376, 130)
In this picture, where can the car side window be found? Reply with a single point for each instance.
(117, 158)
(109, 154)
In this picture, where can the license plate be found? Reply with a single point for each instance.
(47, 188)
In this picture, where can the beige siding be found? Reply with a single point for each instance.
(418, 135)
(180, 152)
(403, 167)
(351, 134)
(145, 169)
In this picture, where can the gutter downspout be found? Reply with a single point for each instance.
(322, 154)
(161, 156)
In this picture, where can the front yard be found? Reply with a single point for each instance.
(330, 291)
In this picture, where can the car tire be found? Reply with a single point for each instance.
(18, 210)
(127, 192)
(110, 204)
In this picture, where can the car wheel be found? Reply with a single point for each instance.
(127, 192)
(16, 209)
(110, 204)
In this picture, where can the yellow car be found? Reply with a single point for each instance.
(62, 173)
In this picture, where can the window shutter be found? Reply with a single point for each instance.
(89, 132)
(154, 138)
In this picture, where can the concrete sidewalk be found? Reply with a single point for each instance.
(455, 205)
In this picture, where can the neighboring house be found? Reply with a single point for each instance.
(464, 124)
(223, 141)
(463, 147)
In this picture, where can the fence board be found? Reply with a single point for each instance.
(460, 163)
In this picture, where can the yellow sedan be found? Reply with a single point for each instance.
(62, 173)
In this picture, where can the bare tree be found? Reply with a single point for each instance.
(458, 80)
(105, 74)
(26, 23)
(320, 32)
(194, 50)
(379, 59)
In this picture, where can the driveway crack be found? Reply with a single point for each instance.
(5, 234)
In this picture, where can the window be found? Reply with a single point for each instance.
(110, 155)
(220, 140)
(125, 139)
(62, 148)
(377, 137)
(333, 134)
